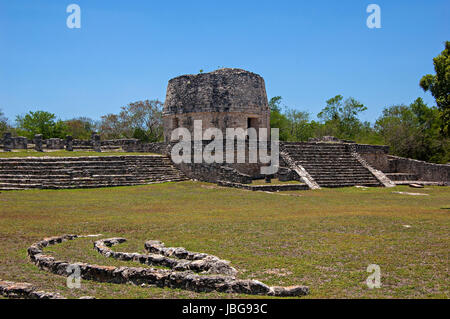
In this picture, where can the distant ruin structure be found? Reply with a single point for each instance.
(222, 99)
(225, 98)
(7, 142)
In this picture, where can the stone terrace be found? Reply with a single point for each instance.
(85, 172)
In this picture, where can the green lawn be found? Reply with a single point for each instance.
(62, 153)
(274, 181)
(324, 238)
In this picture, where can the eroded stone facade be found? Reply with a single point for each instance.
(225, 98)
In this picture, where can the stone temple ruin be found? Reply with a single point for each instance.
(225, 98)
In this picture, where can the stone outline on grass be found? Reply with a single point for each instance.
(161, 256)
(187, 280)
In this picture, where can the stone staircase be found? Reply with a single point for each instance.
(85, 172)
(330, 164)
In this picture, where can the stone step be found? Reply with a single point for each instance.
(74, 172)
(345, 181)
(338, 172)
(330, 165)
(58, 173)
(336, 185)
(335, 167)
(343, 177)
(43, 183)
(10, 186)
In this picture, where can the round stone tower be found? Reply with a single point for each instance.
(225, 98)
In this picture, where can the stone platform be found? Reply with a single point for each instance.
(85, 172)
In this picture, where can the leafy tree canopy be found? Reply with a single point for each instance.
(439, 86)
(40, 122)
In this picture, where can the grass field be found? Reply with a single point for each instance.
(274, 181)
(63, 153)
(324, 239)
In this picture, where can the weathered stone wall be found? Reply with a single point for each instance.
(425, 171)
(20, 142)
(378, 157)
(55, 143)
(213, 173)
(225, 98)
(220, 171)
(139, 146)
(374, 155)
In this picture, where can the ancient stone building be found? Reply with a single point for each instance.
(225, 98)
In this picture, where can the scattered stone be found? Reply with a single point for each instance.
(414, 185)
(25, 290)
(412, 194)
(289, 291)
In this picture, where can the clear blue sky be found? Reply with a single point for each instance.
(307, 51)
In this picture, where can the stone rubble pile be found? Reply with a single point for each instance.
(25, 290)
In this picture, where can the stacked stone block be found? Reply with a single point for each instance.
(85, 172)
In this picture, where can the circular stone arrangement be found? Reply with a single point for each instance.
(161, 256)
(197, 272)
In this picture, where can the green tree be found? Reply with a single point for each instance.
(141, 119)
(439, 86)
(80, 128)
(341, 117)
(40, 122)
(301, 129)
(4, 127)
(278, 119)
(111, 127)
(413, 131)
